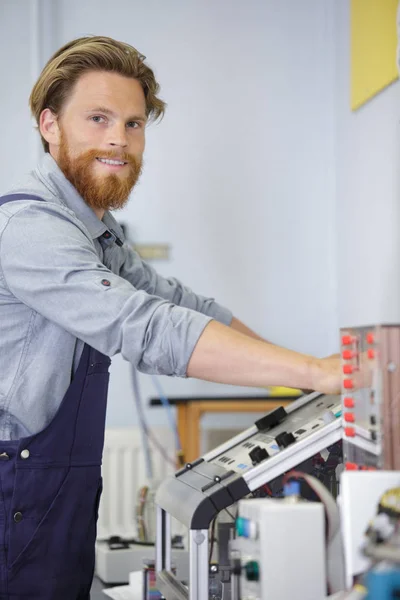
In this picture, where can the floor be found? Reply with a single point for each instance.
(96, 591)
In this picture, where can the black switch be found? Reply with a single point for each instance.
(271, 419)
(258, 454)
(284, 439)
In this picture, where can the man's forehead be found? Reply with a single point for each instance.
(110, 90)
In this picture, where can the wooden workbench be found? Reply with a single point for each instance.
(190, 411)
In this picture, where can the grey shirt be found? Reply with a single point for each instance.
(65, 279)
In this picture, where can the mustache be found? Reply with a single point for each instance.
(112, 155)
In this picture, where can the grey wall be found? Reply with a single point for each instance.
(240, 177)
(368, 186)
(17, 143)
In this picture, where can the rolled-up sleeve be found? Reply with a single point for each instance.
(50, 264)
(141, 275)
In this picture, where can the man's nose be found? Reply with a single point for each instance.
(118, 136)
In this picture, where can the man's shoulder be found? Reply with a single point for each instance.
(33, 206)
(32, 192)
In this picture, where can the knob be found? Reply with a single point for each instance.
(258, 454)
(252, 570)
(349, 417)
(370, 338)
(350, 466)
(284, 439)
(271, 419)
(348, 384)
(348, 402)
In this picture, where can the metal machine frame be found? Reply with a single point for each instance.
(224, 487)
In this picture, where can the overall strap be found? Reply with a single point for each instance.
(11, 197)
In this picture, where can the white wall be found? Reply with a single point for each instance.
(240, 175)
(17, 144)
(368, 186)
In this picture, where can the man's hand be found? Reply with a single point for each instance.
(325, 372)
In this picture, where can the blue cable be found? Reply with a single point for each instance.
(143, 424)
(167, 405)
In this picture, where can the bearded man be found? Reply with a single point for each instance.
(72, 295)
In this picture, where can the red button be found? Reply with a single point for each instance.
(348, 402)
(348, 384)
(371, 353)
(350, 466)
(370, 338)
(349, 417)
(348, 354)
(106, 282)
(348, 369)
(347, 340)
(350, 431)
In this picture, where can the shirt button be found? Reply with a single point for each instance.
(106, 282)
(25, 454)
(4, 456)
(18, 517)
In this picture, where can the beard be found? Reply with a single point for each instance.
(109, 192)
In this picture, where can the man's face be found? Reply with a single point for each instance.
(103, 120)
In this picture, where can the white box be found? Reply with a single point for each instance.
(289, 546)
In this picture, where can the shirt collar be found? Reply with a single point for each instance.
(54, 179)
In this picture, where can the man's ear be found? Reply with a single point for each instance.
(49, 128)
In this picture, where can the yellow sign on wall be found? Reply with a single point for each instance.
(373, 48)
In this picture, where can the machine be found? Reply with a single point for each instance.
(371, 392)
(272, 534)
(306, 436)
(278, 442)
(370, 497)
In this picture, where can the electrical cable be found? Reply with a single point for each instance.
(167, 406)
(143, 424)
(267, 489)
(230, 514)
(212, 539)
(331, 509)
(145, 429)
(334, 551)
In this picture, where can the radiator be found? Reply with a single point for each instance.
(124, 474)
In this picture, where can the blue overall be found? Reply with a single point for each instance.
(50, 487)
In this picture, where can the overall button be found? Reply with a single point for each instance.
(4, 456)
(18, 517)
(25, 454)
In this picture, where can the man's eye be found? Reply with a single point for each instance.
(97, 119)
(133, 124)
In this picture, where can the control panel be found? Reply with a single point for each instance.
(279, 430)
(370, 392)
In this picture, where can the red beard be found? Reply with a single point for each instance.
(106, 193)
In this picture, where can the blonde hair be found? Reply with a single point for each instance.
(92, 53)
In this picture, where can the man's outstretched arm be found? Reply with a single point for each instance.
(225, 355)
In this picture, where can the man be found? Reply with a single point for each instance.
(72, 294)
